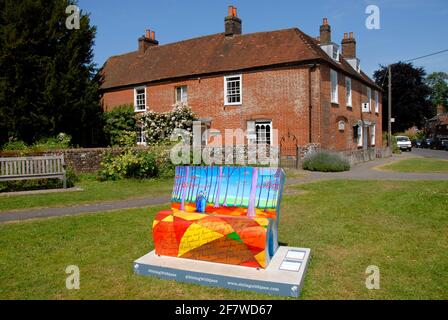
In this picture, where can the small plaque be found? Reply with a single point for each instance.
(290, 265)
(295, 255)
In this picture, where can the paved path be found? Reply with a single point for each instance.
(367, 171)
(87, 208)
(364, 171)
(429, 153)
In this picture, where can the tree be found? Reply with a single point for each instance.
(410, 96)
(437, 81)
(47, 77)
(118, 123)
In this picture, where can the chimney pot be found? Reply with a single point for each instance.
(325, 32)
(232, 23)
(349, 46)
(345, 35)
(146, 41)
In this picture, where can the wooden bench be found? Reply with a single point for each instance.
(222, 214)
(25, 168)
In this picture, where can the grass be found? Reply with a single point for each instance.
(427, 165)
(401, 227)
(93, 191)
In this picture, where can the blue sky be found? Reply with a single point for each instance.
(409, 28)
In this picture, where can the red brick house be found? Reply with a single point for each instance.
(306, 88)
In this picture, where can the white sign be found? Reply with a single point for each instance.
(392, 119)
(366, 107)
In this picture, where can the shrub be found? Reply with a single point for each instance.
(61, 141)
(130, 164)
(71, 177)
(395, 148)
(325, 162)
(15, 146)
(119, 123)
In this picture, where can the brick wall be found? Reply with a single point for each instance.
(280, 95)
(332, 138)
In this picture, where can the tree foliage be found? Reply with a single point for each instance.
(410, 96)
(437, 81)
(47, 82)
(120, 126)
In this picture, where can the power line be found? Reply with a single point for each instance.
(428, 55)
(425, 56)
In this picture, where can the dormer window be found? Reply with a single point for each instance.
(332, 49)
(336, 54)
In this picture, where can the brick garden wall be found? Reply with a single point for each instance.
(80, 160)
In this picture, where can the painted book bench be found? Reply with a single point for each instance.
(222, 214)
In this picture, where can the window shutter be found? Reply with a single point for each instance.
(251, 133)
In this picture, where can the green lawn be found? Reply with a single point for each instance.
(93, 191)
(401, 227)
(418, 165)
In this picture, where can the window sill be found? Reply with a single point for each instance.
(349, 107)
(139, 110)
(233, 104)
(335, 104)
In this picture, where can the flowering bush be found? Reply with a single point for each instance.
(160, 126)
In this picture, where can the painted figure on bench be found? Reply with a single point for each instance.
(200, 202)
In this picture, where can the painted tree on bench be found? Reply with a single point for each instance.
(222, 214)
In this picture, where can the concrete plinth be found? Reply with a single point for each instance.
(284, 276)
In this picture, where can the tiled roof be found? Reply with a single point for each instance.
(217, 54)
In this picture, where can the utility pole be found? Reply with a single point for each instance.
(389, 111)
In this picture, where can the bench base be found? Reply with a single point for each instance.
(283, 277)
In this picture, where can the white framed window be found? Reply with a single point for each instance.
(182, 94)
(263, 131)
(377, 102)
(373, 135)
(141, 135)
(348, 91)
(233, 90)
(369, 98)
(334, 86)
(359, 135)
(140, 99)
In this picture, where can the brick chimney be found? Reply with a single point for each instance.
(232, 23)
(146, 41)
(325, 32)
(349, 46)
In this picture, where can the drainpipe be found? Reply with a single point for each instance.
(310, 104)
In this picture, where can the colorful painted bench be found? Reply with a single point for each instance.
(222, 214)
